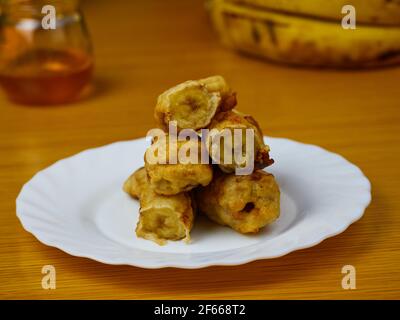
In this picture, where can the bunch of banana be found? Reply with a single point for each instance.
(307, 32)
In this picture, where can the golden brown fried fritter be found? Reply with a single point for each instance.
(161, 217)
(194, 103)
(245, 203)
(234, 120)
(170, 179)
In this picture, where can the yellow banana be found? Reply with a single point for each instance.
(304, 41)
(385, 12)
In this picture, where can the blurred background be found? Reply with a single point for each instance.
(95, 80)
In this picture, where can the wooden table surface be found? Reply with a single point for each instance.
(144, 47)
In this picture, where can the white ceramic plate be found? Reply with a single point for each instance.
(78, 206)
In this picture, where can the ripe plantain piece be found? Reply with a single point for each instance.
(385, 12)
(244, 203)
(187, 173)
(231, 120)
(161, 218)
(193, 104)
(304, 41)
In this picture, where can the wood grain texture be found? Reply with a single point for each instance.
(144, 47)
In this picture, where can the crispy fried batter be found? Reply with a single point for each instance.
(232, 120)
(161, 218)
(194, 103)
(174, 172)
(170, 179)
(244, 203)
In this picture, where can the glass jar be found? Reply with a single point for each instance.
(39, 65)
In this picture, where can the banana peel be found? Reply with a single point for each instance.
(303, 40)
(375, 12)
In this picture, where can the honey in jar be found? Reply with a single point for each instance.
(39, 66)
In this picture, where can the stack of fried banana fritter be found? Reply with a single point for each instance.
(172, 191)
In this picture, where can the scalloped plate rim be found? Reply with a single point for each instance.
(317, 240)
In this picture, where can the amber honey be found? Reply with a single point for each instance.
(47, 76)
